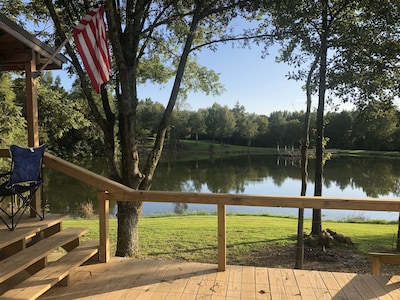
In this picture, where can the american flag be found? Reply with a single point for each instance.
(91, 40)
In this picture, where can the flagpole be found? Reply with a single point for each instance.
(39, 72)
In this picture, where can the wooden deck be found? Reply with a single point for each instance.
(124, 278)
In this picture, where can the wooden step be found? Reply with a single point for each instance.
(14, 241)
(35, 256)
(26, 230)
(45, 279)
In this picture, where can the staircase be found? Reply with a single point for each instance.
(28, 268)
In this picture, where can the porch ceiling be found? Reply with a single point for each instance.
(18, 47)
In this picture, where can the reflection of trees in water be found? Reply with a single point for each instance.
(64, 194)
(375, 176)
(180, 208)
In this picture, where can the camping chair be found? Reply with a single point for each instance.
(22, 182)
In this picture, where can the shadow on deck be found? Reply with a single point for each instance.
(124, 278)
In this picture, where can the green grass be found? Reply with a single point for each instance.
(194, 237)
(368, 153)
(205, 149)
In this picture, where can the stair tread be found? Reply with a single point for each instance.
(42, 281)
(23, 259)
(24, 231)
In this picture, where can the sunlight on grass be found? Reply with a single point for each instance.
(194, 237)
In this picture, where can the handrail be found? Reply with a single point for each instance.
(100, 182)
(261, 200)
(111, 190)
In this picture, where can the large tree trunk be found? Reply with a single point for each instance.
(129, 213)
(317, 215)
(398, 235)
(128, 218)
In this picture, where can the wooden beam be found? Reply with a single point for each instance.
(104, 235)
(322, 202)
(32, 113)
(383, 258)
(221, 237)
(84, 175)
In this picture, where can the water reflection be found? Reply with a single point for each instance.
(268, 175)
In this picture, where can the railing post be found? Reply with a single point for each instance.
(221, 237)
(104, 236)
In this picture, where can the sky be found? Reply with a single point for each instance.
(259, 84)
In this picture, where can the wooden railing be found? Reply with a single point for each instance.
(111, 190)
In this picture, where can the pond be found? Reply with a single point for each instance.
(260, 174)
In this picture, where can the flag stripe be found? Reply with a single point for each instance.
(91, 41)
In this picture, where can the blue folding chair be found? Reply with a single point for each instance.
(22, 182)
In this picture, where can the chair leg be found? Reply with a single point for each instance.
(21, 209)
(7, 212)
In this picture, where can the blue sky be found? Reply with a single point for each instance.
(260, 85)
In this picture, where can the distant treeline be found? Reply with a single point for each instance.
(372, 127)
(67, 125)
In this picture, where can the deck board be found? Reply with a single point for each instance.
(124, 278)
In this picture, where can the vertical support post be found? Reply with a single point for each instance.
(221, 237)
(104, 212)
(32, 118)
(32, 114)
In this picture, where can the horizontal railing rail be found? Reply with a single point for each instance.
(111, 190)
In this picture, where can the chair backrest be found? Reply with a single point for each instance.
(26, 164)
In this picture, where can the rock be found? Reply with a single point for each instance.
(311, 241)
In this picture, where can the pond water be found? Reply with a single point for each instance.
(261, 175)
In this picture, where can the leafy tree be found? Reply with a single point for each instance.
(375, 126)
(262, 122)
(150, 40)
(249, 128)
(220, 122)
(179, 127)
(149, 114)
(339, 129)
(239, 112)
(277, 128)
(326, 31)
(59, 113)
(12, 122)
(197, 123)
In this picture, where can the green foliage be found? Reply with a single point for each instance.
(149, 115)
(59, 113)
(375, 126)
(63, 118)
(220, 122)
(200, 79)
(12, 123)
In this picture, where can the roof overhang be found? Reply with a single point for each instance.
(18, 46)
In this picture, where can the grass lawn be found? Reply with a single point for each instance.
(194, 237)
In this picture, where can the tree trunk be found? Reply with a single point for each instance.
(128, 218)
(317, 214)
(398, 234)
(304, 167)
